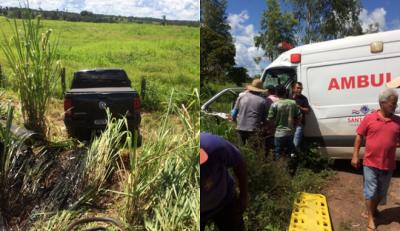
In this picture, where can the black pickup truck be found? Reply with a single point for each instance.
(92, 91)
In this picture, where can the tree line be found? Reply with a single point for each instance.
(88, 16)
(302, 22)
(217, 51)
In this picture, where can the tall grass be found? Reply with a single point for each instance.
(272, 189)
(32, 58)
(58, 221)
(100, 160)
(162, 187)
(7, 153)
(9, 148)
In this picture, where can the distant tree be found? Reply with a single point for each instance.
(214, 16)
(238, 75)
(217, 51)
(276, 27)
(342, 19)
(257, 76)
(164, 21)
(257, 59)
(14, 13)
(216, 56)
(86, 13)
(321, 20)
(373, 28)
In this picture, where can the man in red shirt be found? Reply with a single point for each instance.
(381, 131)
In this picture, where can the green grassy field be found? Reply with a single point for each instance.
(152, 188)
(166, 56)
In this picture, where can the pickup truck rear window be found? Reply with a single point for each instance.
(95, 79)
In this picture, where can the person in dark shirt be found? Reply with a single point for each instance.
(219, 202)
(302, 104)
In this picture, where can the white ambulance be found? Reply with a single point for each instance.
(342, 79)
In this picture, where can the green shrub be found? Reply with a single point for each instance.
(311, 158)
(34, 64)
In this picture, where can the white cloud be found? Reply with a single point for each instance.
(243, 35)
(172, 9)
(377, 17)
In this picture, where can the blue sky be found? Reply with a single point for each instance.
(244, 18)
(172, 9)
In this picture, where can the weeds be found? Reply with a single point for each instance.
(57, 221)
(162, 186)
(33, 60)
(10, 146)
(100, 160)
(7, 155)
(272, 189)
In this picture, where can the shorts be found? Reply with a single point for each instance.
(376, 183)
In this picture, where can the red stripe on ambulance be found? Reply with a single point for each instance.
(360, 81)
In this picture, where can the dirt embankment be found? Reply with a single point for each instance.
(346, 202)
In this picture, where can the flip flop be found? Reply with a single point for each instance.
(372, 229)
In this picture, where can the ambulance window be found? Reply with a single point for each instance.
(281, 76)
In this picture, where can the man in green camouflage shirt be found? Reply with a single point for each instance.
(285, 114)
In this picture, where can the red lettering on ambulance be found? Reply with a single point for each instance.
(373, 83)
(333, 84)
(362, 81)
(348, 83)
(388, 77)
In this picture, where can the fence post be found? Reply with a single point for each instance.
(62, 74)
(142, 88)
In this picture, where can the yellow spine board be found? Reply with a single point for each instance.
(310, 213)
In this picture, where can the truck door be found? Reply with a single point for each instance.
(221, 104)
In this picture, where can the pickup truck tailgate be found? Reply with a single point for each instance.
(90, 103)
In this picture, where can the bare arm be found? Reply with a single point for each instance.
(355, 161)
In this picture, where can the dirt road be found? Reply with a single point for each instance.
(346, 203)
